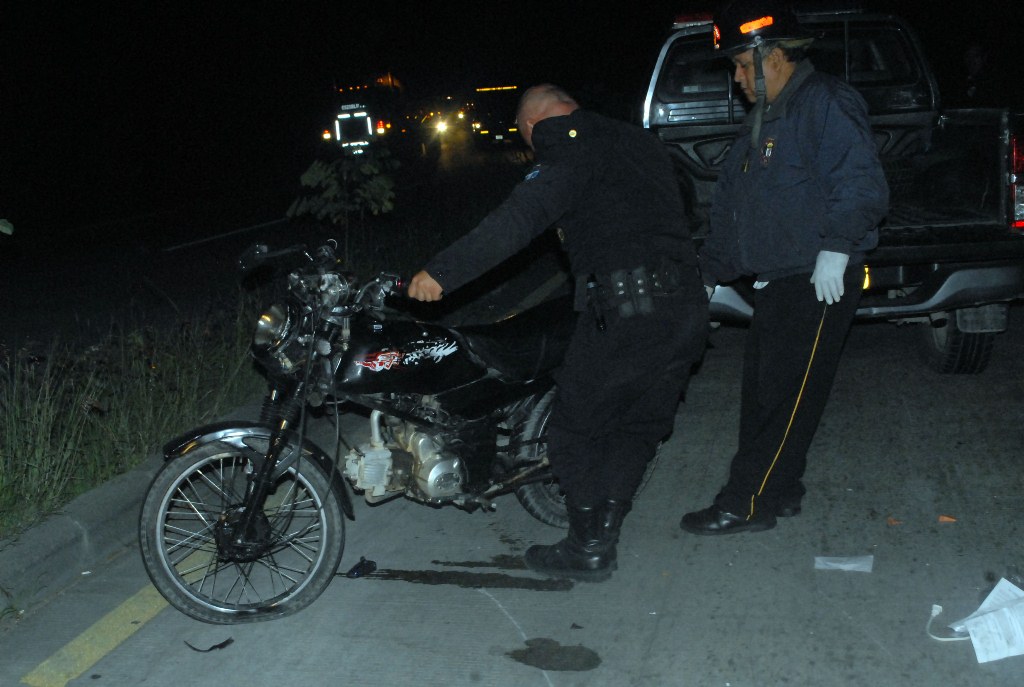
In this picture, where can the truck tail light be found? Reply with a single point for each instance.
(1017, 183)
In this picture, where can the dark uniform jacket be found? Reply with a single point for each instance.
(814, 183)
(610, 188)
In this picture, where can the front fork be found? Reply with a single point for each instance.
(281, 410)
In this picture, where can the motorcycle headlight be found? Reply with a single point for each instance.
(272, 328)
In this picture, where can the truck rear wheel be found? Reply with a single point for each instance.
(950, 350)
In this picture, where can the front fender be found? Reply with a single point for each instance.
(236, 432)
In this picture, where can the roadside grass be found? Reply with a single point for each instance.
(71, 419)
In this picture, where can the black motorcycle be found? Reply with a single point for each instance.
(245, 521)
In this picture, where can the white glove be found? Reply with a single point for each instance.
(828, 275)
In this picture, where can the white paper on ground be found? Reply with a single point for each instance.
(848, 563)
(997, 627)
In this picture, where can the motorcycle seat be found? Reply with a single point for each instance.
(525, 346)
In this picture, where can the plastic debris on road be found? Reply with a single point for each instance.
(847, 563)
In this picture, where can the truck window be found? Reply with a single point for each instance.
(696, 83)
(878, 56)
(355, 127)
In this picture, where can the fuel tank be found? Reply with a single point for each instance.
(404, 356)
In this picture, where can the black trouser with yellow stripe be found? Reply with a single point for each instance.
(790, 362)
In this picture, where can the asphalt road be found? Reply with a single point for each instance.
(900, 451)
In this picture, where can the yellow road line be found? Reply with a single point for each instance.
(85, 650)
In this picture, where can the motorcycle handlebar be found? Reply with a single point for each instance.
(381, 287)
(372, 292)
(258, 255)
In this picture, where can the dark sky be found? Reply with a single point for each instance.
(136, 103)
(108, 108)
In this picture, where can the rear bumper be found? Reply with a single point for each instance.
(947, 287)
(900, 292)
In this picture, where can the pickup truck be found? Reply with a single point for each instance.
(951, 250)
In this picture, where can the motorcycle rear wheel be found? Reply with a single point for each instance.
(302, 536)
(543, 500)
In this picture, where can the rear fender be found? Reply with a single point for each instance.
(240, 433)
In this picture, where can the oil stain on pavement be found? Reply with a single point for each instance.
(503, 562)
(547, 654)
(472, 580)
(464, 578)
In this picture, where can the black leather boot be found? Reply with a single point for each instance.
(586, 554)
(615, 511)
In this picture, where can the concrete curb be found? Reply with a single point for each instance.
(95, 527)
(99, 524)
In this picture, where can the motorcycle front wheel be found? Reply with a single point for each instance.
(290, 554)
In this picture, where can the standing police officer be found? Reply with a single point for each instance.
(611, 189)
(796, 206)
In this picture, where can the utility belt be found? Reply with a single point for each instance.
(629, 291)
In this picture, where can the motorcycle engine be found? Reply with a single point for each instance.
(438, 475)
(412, 461)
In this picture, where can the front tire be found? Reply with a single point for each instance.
(301, 532)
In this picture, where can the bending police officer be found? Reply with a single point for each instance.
(611, 189)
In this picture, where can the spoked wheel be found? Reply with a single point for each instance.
(209, 566)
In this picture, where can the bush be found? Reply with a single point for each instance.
(343, 190)
(71, 420)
